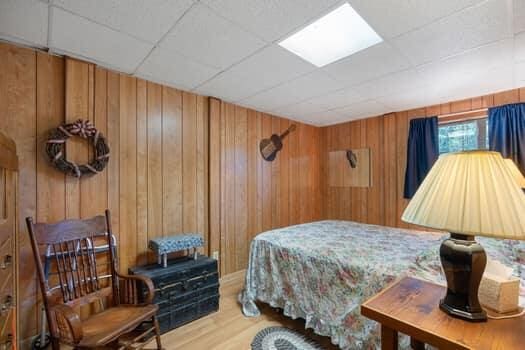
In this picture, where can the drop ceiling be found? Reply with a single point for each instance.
(433, 51)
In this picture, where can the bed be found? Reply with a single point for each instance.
(323, 271)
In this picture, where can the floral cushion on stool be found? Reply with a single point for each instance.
(163, 246)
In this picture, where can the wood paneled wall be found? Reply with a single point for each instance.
(386, 136)
(182, 162)
(249, 195)
(156, 182)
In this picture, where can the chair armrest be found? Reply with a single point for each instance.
(129, 288)
(68, 323)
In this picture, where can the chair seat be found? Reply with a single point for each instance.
(108, 325)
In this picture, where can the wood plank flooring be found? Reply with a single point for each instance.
(228, 329)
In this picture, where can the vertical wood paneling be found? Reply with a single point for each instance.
(189, 162)
(256, 195)
(38, 92)
(375, 202)
(387, 137)
(390, 170)
(51, 199)
(155, 172)
(228, 247)
(51, 205)
(161, 140)
(252, 173)
(99, 183)
(172, 159)
(505, 97)
(240, 218)
(295, 174)
(284, 178)
(128, 166)
(344, 144)
(275, 183)
(90, 203)
(202, 176)
(142, 173)
(18, 90)
(355, 193)
(113, 167)
(215, 175)
(401, 158)
(267, 178)
(77, 107)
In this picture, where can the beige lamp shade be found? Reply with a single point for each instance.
(472, 193)
(516, 173)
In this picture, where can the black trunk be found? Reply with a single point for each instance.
(185, 290)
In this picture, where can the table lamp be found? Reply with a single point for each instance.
(468, 194)
(516, 173)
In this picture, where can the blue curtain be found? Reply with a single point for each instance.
(422, 152)
(507, 132)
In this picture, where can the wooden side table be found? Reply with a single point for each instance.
(411, 306)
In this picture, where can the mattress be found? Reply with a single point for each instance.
(323, 271)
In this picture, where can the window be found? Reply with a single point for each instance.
(463, 135)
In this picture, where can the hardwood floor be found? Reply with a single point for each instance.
(228, 329)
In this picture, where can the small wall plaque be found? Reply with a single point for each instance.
(341, 173)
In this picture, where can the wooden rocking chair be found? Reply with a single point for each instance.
(76, 280)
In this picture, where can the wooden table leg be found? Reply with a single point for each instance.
(388, 338)
(416, 344)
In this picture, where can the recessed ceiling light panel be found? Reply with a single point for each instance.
(338, 34)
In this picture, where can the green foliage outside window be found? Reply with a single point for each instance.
(463, 136)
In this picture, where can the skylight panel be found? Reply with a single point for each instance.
(336, 35)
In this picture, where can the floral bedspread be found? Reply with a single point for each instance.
(323, 271)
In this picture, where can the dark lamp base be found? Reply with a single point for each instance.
(463, 261)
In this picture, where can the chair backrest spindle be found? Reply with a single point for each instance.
(71, 246)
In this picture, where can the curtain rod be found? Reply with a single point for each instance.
(474, 111)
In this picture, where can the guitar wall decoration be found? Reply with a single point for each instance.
(270, 147)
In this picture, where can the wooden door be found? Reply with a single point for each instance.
(8, 243)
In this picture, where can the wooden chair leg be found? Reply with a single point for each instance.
(55, 344)
(157, 332)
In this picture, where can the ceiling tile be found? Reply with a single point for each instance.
(364, 109)
(519, 16)
(325, 118)
(391, 84)
(271, 19)
(204, 36)
(175, 69)
(263, 70)
(368, 64)
(519, 47)
(308, 114)
(336, 99)
(406, 100)
(24, 21)
(229, 87)
(82, 38)
(520, 74)
(297, 110)
(470, 28)
(476, 61)
(310, 85)
(270, 67)
(391, 18)
(147, 20)
(491, 80)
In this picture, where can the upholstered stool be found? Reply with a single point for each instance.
(165, 245)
